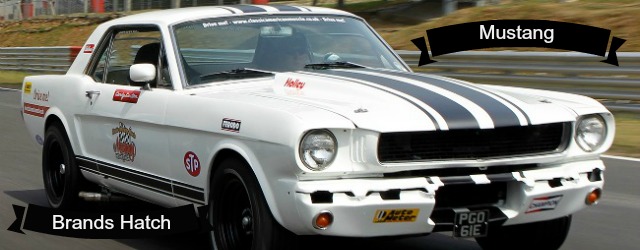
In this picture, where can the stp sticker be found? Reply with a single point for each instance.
(125, 95)
(88, 49)
(230, 125)
(396, 215)
(192, 163)
(544, 203)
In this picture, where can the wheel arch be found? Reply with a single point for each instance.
(228, 150)
(55, 116)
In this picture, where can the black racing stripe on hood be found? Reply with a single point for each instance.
(248, 8)
(285, 8)
(501, 115)
(456, 116)
(433, 119)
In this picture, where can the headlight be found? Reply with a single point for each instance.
(318, 149)
(591, 132)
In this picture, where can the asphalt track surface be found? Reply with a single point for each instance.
(612, 224)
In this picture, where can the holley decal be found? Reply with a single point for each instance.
(125, 95)
(124, 147)
(291, 83)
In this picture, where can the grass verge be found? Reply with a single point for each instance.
(12, 78)
(627, 140)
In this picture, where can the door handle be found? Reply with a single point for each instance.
(90, 93)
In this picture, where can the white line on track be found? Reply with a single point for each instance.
(621, 158)
(10, 89)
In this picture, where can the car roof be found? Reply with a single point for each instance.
(171, 16)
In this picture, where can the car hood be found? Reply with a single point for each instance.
(392, 101)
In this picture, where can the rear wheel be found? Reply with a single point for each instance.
(239, 213)
(539, 235)
(59, 171)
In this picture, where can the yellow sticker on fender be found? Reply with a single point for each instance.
(27, 88)
(396, 215)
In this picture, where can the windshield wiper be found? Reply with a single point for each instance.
(333, 65)
(235, 74)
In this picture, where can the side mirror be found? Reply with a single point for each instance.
(142, 73)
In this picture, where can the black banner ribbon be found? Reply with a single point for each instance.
(97, 225)
(518, 33)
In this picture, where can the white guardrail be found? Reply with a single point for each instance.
(617, 87)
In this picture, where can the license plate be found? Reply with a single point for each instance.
(471, 224)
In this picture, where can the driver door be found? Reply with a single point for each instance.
(121, 128)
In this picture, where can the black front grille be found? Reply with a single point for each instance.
(473, 143)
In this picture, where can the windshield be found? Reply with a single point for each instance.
(277, 43)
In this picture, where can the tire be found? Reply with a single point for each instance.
(60, 183)
(239, 213)
(538, 235)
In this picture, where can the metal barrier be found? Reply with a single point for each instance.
(617, 87)
(38, 59)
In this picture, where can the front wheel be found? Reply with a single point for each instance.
(538, 235)
(59, 170)
(239, 213)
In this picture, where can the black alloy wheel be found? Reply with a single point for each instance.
(239, 213)
(59, 172)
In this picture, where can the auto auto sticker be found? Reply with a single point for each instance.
(126, 95)
(35, 110)
(544, 203)
(291, 83)
(39, 95)
(192, 163)
(396, 215)
(230, 125)
(27, 88)
(88, 49)
(124, 146)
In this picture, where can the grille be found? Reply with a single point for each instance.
(473, 143)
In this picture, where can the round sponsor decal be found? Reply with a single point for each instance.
(39, 139)
(192, 163)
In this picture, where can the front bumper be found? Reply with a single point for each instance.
(357, 203)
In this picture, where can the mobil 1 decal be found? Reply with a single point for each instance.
(518, 33)
(124, 146)
(192, 163)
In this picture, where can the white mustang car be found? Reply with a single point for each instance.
(302, 121)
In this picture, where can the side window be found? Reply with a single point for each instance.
(128, 47)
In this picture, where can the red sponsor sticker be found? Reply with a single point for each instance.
(192, 163)
(88, 49)
(35, 110)
(291, 83)
(125, 95)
